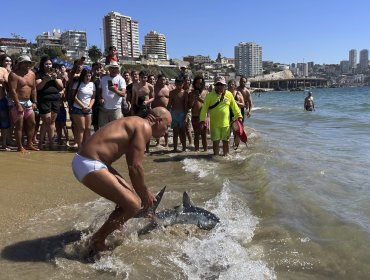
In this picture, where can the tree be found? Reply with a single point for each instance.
(94, 53)
(52, 52)
(219, 58)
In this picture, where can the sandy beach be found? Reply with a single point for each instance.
(35, 182)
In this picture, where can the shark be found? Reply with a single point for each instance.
(187, 213)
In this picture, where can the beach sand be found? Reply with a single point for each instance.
(33, 182)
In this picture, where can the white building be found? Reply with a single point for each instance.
(248, 59)
(123, 33)
(155, 46)
(75, 43)
(49, 39)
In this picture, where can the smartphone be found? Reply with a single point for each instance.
(110, 83)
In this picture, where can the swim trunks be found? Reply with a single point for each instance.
(309, 108)
(195, 121)
(81, 166)
(27, 111)
(178, 119)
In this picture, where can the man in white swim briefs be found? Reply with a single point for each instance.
(92, 167)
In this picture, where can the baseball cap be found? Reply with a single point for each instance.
(220, 80)
(24, 58)
(238, 129)
(113, 64)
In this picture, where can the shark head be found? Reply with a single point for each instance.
(205, 219)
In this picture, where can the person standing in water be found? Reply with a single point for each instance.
(309, 105)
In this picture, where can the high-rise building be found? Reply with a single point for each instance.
(123, 33)
(344, 66)
(75, 43)
(248, 59)
(364, 59)
(155, 46)
(352, 60)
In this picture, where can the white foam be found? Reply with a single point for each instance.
(200, 167)
(225, 252)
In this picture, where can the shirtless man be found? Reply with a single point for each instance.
(187, 89)
(161, 96)
(22, 87)
(308, 102)
(178, 106)
(92, 167)
(196, 99)
(142, 95)
(246, 95)
(5, 68)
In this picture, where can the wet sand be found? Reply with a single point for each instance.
(33, 182)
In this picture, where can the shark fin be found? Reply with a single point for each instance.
(143, 213)
(186, 201)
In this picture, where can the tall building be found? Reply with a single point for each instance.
(248, 59)
(75, 43)
(364, 59)
(155, 46)
(344, 66)
(352, 60)
(123, 33)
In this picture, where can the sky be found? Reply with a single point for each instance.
(289, 31)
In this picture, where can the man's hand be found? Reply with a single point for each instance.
(147, 199)
(19, 108)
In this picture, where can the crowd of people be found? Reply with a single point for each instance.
(36, 99)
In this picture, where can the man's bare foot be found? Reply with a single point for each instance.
(32, 148)
(22, 150)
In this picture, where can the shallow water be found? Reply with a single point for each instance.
(293, 204)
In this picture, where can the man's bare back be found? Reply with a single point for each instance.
(116, 138)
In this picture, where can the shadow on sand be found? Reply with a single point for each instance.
(43, 249)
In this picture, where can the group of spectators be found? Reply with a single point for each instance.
(32, 94)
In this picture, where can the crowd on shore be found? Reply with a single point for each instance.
(37, 98)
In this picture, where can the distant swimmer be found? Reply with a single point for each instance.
(308, 102)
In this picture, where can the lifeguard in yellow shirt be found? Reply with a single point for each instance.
(218, 103)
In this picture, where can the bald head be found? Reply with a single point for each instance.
(161, 112)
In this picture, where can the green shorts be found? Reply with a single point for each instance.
(220, 133)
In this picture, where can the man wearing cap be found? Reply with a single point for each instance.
(22, 87)
(112, 89)
(219, 102)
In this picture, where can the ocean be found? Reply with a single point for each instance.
(293, 204)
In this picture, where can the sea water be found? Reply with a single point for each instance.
(293, 204)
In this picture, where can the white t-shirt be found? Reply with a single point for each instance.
(111, 100)
(85, 92)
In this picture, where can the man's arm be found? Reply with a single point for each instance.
(151, 95)
(34, 94)
(248, 102)
(134, 159)
(13, 81)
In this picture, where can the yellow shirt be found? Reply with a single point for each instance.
(220, 115)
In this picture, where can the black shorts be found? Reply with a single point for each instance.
(46, 106)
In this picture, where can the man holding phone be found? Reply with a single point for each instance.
(112, 89)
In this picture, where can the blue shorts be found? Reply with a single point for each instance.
(78, 111)
(62, 115)
(178, 119)
(4, 113)
(81, 166)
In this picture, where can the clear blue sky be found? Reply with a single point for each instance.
(289, 31)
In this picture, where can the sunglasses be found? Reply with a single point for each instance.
(7, 60)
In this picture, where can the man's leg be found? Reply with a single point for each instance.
(216, 147)
(225, 147)
(116, 189)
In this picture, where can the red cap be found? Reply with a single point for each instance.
(239, 130)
